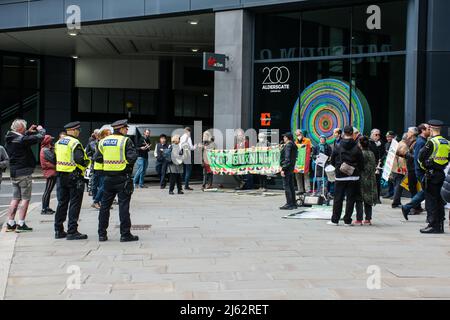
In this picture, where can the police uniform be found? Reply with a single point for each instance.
(433, 158)
(71, 164)
(118, 154)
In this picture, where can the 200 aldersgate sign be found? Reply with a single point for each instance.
(259, 160)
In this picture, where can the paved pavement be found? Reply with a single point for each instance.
(226, 246)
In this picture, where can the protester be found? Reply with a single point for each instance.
(245, 181)
(22, 163)
(288, 159)
(188, 147)
(264, 144)
(377, 147)
(424, 130)
(337, 134)
(399, 171)
(445, 191)
(161, 161)
(48, 164)
(321, 148)
(98, 172)
(175, 168)
(303, 180)
(356, 134)
(4, 162)
(390, 135)
(90, 150)
(348, 160)
(369, 194)
(143, 148)
(411, 141)
(208, 144)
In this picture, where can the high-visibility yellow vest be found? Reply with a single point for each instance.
(113, 150)
(441, 149)
(98, 166)
(64, 150)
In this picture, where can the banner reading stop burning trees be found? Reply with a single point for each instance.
(264, 161)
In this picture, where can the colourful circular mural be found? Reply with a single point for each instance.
(325, 105)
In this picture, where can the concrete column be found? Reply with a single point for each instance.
(232, 90)
(411, 65)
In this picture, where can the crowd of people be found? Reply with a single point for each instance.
(109, 158)
(419, 166)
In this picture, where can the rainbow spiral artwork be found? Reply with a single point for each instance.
(325, 105)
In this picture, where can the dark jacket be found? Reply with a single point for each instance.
(420, 143)
(91, 147)
(348, 152)
(326, 150)
(288, 157)
(160, 151)
(378, 151)
(21, 157)
(130, 154)
(47, 157)
(445, 192)
(142, 143)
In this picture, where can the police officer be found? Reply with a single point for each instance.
(118, 155)
(71, 163)
(433, 158)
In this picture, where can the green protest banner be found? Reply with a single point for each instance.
(249, 161)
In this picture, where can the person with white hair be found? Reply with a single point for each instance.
(376, 145)
(22, 163)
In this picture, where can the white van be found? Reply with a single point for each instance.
(135, 132)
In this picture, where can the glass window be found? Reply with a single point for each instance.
(189, 106)
(116, 104)
(11, 72)
(100, 100)
(203, 106)
(148, 103)
(132, 98)
(276, 91)
(325, 32)
(31, 74)
(178, 112)
(84, 99)
(277, 36)
(382, 82)
(392, 33)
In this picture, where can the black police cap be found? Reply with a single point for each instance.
(72, 125)
(120, 124)
(436, 123)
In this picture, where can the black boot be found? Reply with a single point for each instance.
(129, 238)
(431, 230)
(60, 235)
(76, 236)
(405, 213)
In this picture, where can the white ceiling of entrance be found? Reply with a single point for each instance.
(140, 39)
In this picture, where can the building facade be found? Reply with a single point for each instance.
(312, 65)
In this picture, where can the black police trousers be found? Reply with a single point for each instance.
(69, 192)
(122, 186)
(434, 204)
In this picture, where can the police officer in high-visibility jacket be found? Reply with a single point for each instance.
(118, 155)
(433, 158)
(71, 164)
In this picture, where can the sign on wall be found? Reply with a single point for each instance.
(214, 62)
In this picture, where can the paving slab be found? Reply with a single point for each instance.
(204, 245)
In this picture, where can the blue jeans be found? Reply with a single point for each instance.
(187, 172)
(101, 186)
(142, 164)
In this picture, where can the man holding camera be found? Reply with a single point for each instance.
(22, 163)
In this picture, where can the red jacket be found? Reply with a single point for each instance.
(47, 157)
